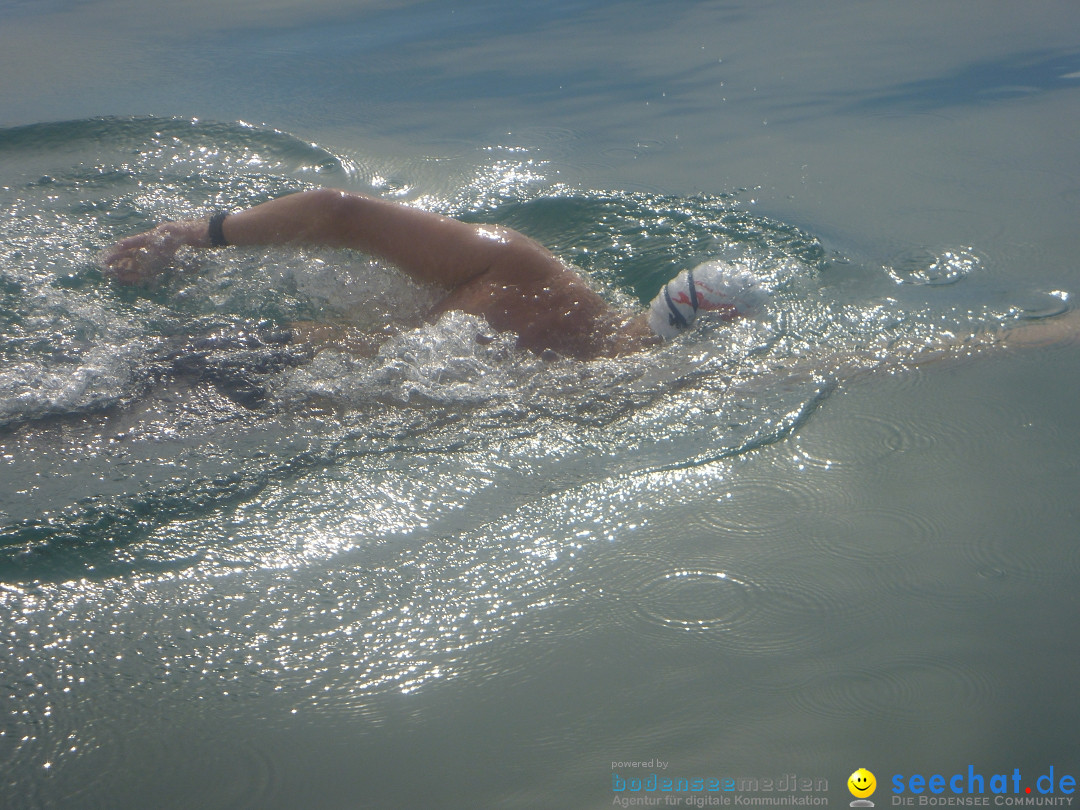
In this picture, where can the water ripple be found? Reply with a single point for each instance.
(696, 600)
(881, 534)
(902, 691)
(780, 614)
(760, 505)
(921, 266)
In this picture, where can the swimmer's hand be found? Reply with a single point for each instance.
(140, 258)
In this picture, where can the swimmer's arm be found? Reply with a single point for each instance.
(1059, 330)
(430, 247)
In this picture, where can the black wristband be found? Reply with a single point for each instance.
(215, 232)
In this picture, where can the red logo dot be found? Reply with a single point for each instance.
(1027, 790)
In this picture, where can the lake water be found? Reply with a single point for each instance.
(456, 575)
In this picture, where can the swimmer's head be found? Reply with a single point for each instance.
(716, 287)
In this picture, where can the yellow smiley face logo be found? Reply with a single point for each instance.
(862, 783)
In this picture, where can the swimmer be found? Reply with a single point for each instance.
(492, 272)
(489, 271)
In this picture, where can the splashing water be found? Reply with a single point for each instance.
(170, 446)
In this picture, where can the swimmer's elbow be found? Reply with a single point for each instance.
(333, 216)
(517, 255)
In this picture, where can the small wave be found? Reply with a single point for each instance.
(170, 145)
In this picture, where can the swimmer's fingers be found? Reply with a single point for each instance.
(127, 268)
(138, 259)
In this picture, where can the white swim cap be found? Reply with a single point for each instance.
(714, 286)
